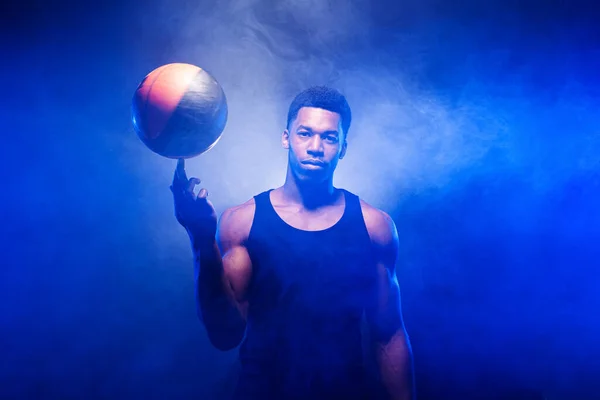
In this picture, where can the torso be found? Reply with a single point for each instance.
(311, 221)
(312, 278)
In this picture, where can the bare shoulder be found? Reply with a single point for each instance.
(235, 223)
(380, 225)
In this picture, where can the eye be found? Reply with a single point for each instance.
(331, 139)
(302, 133)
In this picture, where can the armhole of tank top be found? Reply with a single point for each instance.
(357, 217)
(257, 210)
(356, 213)
(260, 208)
(353, 207)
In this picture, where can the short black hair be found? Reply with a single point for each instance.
(322, 97)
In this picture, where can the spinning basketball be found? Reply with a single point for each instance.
(179, 111)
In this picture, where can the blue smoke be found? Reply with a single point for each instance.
(475, 127)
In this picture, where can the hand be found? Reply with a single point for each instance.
(194, 212)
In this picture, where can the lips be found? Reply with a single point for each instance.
(315, 163)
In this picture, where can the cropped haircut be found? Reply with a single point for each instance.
(325, 98)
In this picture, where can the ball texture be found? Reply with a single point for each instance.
(179, 110)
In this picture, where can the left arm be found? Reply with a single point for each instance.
(392, 346)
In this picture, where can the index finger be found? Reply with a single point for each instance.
(180, 177)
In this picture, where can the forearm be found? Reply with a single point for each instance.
(216, 309)
(395, 365)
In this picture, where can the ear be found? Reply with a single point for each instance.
(285, 139)
(344, 148)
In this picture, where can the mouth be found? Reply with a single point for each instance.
(315, 163)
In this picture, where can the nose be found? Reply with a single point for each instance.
(315, 146)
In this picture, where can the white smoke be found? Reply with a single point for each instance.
(264, 52)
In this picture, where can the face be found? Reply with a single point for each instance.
(316, 142)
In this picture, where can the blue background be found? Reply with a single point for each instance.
(476, 127)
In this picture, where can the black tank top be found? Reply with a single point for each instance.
(307, 296)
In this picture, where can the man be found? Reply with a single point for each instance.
(290, 273)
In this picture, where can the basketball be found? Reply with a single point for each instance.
(179, 111)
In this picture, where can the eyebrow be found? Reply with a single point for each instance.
(310, 130)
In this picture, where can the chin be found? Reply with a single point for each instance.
(312, 176)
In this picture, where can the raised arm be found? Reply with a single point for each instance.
(223, 271)
(392, 346)
(222, 267)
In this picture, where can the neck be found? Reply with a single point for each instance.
(310, 195)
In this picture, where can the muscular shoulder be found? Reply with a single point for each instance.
(235, 223)
(382, 230)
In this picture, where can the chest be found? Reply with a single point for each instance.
(314, 274)
(310, 221)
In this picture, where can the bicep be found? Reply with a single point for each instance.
(237, 270)
(385, 316)
(237, 265)
(385, 313)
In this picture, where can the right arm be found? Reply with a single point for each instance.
(222, 266)
(222, 270)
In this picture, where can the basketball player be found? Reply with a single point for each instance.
(290, 274)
